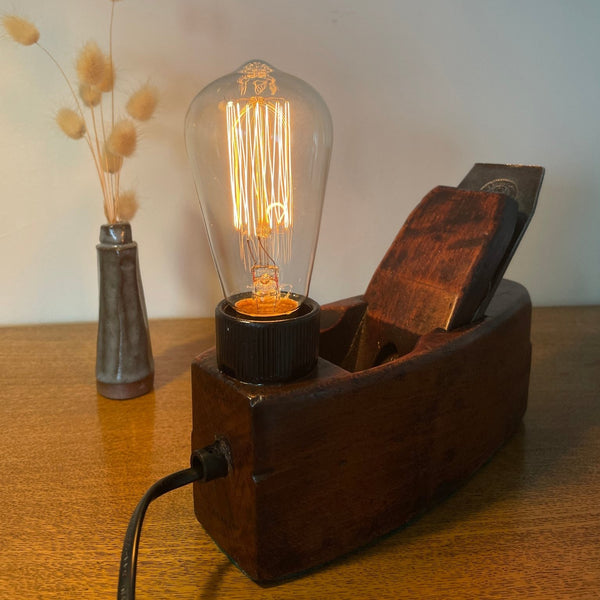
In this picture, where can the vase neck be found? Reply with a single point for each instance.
(115, 233)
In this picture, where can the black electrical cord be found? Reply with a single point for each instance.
(206, 464)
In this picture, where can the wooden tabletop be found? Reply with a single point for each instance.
(73, 466)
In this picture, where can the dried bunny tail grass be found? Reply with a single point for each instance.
(108, 80)
(127, 205)
(21, 30)
(142, 103)
(90, 94)
(91, 64)
(123, 138)
(71, 123)
(109, 162)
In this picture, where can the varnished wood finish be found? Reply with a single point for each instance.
(74, 465)
(442, 262)
(436, 274)
(326, 464)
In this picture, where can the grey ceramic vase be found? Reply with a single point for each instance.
(124, 364)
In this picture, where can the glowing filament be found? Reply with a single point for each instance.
(258, 136)
(259, 140)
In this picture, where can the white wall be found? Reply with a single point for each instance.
(419, 91)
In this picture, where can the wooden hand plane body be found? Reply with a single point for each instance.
(409, 397)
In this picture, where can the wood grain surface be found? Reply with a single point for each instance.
(441, 264)
(333, 461)
(74, 465)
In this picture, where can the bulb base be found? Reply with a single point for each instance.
(262, 351)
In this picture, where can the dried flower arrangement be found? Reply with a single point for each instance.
(110, 140)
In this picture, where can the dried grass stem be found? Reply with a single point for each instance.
(95, 74)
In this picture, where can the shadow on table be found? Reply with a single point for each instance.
(176, 360)
(210, 589)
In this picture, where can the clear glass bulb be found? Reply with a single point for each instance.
(259, 141)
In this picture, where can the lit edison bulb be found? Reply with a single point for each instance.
(259, 141)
